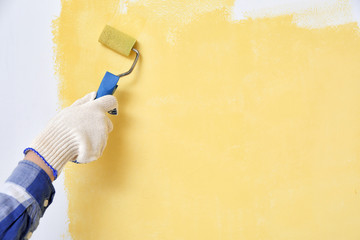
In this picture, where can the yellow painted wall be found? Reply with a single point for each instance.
(227, 130)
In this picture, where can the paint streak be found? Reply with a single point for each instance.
(227, 130)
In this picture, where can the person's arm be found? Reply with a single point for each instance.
(24, 197)
(33, 157)
(77, 133)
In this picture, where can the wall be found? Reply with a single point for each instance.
(240, 121)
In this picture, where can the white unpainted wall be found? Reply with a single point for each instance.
(29, 94)
(306, 13)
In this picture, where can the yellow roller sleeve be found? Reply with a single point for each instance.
(116, 40)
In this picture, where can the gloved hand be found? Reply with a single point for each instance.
(77, 133)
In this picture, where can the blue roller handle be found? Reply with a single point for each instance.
(108, 86)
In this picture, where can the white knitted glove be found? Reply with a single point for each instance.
(77, 133)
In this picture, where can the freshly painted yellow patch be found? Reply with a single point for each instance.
(227, 130)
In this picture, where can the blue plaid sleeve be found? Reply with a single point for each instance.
(24, 197)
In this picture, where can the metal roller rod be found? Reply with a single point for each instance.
(132, 66)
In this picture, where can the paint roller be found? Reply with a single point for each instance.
(120, 43)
